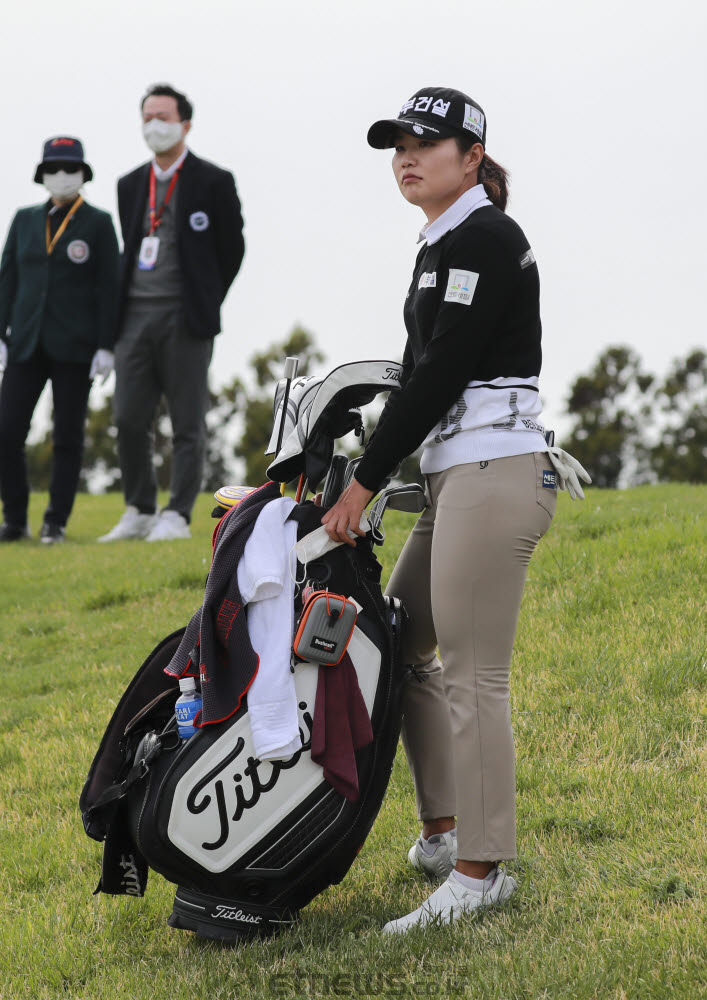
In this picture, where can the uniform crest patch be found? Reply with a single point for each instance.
(199, 221)
(428, 280)
(78, 251)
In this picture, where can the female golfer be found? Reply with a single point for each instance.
(469, 396)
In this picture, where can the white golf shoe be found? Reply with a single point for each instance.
(169, 525)
(443, 858)
(132, 524)
(453, 900)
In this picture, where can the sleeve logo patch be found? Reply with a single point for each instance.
(549, 480)
(526, 259)
(461, 286)
(428, 280)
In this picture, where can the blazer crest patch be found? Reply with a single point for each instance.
(199, 221)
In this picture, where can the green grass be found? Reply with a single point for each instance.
(609, 690)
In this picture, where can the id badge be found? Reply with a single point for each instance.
(148, 253)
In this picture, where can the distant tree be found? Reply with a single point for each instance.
(39, 461)
(608, 405)
(223, 424)
(681, 453)
(267, 369)
(100, 471)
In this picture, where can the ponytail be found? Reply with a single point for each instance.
(492, 175)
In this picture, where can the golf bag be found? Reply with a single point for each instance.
(249, 842)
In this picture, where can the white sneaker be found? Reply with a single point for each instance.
(170, 524)
(453, 899)
(441, 862)
(132, 524)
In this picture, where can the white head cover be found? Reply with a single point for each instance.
(320, 409)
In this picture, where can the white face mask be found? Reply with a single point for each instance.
(63, 185)
(161, 136)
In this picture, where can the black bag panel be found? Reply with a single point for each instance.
(144, 692)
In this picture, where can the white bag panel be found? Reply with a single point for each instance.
(227, 780)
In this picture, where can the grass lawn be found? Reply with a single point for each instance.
(609, 687)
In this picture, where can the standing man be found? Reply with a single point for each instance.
(183, 246)
(58, 302)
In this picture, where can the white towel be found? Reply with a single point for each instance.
(267, 589)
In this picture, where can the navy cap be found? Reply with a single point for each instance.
(432, 113)
(63, 150)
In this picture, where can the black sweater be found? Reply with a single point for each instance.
(489, 331)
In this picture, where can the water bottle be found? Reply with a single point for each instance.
(187, 706)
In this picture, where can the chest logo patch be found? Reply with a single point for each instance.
(199, 221)
(461, 286)
(428, 280)
(78, 251)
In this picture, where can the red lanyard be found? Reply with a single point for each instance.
(156, 217)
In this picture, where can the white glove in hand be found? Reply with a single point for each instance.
(569, 472)
(102, 364)
(3, 355)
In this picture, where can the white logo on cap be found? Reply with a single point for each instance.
(474, 120)
(418, 128)
(199, 221)
(78, 251)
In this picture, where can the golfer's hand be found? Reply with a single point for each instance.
(569, 472)
(102, 364)
(345, 515)
(3, 355)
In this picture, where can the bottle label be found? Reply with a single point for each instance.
(186, 712)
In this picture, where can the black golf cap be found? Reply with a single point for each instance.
(64, 151)
(432, 113)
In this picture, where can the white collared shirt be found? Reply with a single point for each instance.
(461, 209)
(164, 175)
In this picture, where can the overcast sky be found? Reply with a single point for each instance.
(597, 109)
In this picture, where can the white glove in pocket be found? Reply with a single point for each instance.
(569, 472)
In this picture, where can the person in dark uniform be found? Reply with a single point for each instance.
(58, 302)
(469, 395)
(183, 235)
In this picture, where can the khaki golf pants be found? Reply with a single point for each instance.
(460, 576)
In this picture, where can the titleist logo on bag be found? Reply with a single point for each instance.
(229, 913)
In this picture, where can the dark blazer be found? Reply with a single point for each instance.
(210, 240)
(67, 301)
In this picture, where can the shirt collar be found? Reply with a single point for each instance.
(164, 175)
(53, 209)
(461, 209)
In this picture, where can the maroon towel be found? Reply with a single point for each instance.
(340, 726)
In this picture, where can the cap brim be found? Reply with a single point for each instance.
(381, 135)
(88, 173)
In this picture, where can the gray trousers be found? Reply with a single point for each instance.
(156, 356)
(460, 576)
